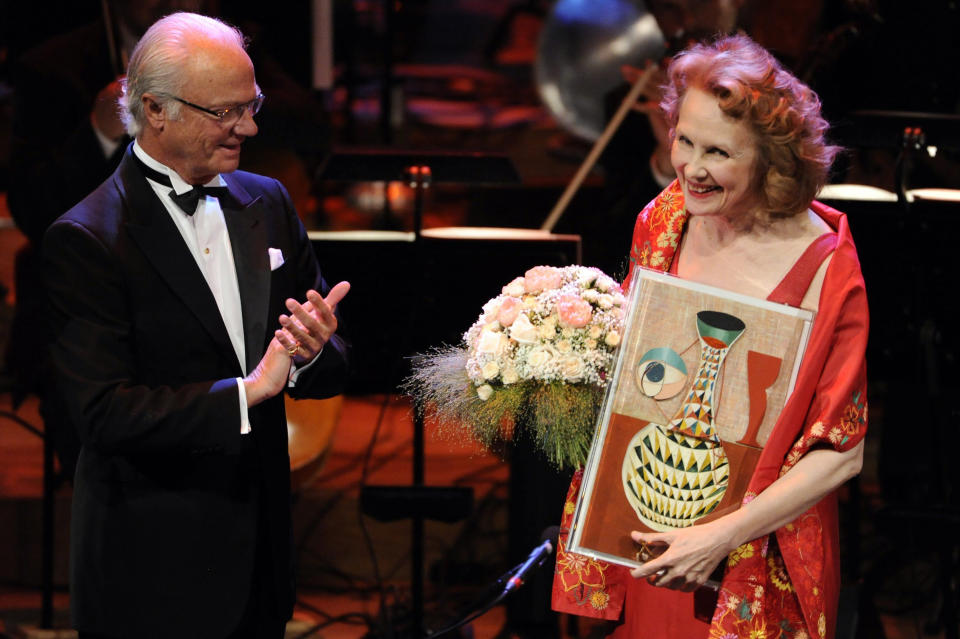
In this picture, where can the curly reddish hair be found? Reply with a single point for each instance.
(784, 113)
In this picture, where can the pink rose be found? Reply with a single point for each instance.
(573, 311)
(541, 278)
(509, 309)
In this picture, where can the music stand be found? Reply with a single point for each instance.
(419, 169)
(911, 132)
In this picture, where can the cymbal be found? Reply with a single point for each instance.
(583, 44)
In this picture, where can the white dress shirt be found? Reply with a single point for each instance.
(205, 234)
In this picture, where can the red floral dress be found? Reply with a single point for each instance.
(786, 584)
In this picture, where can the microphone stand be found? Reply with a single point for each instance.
(479, 612)
(512, 580)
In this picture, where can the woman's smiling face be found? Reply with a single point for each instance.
(715, 157)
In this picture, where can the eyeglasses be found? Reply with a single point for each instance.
(229, 115)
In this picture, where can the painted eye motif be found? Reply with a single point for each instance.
(661, 373)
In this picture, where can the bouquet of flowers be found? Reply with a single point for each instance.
(539, 356)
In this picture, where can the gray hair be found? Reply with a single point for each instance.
(157, 63)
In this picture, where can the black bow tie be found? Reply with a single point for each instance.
(187, 200)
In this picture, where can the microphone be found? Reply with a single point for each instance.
(537, 556)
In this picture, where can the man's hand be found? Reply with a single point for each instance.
(312, 323)
(105, 115)
(304, 333)
(649, 105)
(270, 375)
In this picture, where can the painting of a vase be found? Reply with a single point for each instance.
(676, 473)
(701, 379)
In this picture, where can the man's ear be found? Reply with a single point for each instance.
(154, 112)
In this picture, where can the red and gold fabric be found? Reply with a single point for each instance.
(785, 584)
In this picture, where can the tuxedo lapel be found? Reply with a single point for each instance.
(155, 233)
(246, 225)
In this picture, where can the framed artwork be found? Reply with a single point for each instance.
(701, 378)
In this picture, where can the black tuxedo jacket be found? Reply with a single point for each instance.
(168, 493)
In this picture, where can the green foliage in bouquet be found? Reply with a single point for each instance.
(538, 358)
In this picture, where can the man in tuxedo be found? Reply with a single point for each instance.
(175, 330)
(66, 123)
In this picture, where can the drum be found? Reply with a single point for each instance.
(311, 424)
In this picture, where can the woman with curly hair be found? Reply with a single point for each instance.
(750, 154)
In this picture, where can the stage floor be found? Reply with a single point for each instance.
(338, 589)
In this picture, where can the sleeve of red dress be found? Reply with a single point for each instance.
(581, 585)
(837, 416)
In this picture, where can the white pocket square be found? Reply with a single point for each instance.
(276, 258)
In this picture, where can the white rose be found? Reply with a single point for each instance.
(594, 332)
(484, 392)
(510, 376)
(567, 331)
(590, 343)
(590, 295)
(605, 284)
(572, 368)
(586, 277)
(514, 288)
(490, 342)
(612, 338)
(618, 299)
(550, 320)
(606, 301)
(491, 326)
(547, 331)
(523, 331)
(490, 309)
(529, 301)
(564, 346)
(490, 370)
(540, 357)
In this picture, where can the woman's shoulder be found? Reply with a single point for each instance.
(835, 220)
(809, 225)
